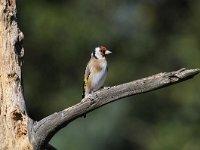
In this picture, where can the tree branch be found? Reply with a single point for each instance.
(47, 127)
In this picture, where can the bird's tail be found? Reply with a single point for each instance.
(83, 93)
(83, 96)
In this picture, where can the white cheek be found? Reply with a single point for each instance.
(99, 55)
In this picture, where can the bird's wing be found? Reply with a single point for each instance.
(86, 76)
(87, 73)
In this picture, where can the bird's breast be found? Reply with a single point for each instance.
(99, 76)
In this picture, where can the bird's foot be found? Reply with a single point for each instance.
(105, 87)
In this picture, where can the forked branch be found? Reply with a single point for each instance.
(47, 127)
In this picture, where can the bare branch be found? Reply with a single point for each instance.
(47, 127)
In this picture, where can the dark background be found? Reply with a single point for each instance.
(146, 37)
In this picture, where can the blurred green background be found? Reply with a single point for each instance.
(146, 37)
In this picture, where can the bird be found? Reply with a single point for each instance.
(96, 70)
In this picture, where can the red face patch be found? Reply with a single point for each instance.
(102, 48)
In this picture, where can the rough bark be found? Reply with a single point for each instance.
(13, 118)
(47, 127)
(17, 130)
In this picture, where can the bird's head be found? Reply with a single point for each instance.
(100, 52)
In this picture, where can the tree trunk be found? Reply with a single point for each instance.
(13, 118)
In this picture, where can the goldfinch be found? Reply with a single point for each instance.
(96, 70)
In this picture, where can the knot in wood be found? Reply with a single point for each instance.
(17, 116)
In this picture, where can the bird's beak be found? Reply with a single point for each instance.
(107, 52)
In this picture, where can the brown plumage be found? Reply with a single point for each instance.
(94, 66)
